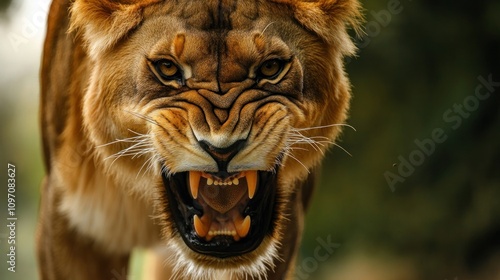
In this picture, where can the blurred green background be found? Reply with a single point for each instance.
(439, 215)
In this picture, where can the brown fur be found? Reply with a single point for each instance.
(98, 90)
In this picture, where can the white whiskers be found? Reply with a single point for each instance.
(296, 140)
(265, 28)
(135, 147)
(144, 117)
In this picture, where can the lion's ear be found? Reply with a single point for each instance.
(328, 18)
(102, 23)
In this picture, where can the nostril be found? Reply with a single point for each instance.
(222, 155)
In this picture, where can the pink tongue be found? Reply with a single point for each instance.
(223, 198)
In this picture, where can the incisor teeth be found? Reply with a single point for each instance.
(221, 232)
(220, 182)
(199, 227)
(194, 183)
(251, 177)
(235, 181)
(244, 227)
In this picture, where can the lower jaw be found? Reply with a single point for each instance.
(261, 209)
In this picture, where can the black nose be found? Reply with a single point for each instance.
(222, 155)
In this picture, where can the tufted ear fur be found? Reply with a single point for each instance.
(102, 23)
(329, 19)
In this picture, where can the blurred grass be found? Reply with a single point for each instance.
(20, 143)
(20, 146)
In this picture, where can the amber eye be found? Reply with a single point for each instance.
(271, 69)
(167, 69)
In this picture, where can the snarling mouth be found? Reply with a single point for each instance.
(222, 215)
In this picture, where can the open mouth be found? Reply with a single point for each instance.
(222, 215)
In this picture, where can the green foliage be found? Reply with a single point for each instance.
(414, 70)
(4, 4)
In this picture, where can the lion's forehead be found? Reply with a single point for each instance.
(217, 44)
(218, 14)
(226, 58)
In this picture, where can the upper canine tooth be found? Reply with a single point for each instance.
(251, 177)
(194, 183)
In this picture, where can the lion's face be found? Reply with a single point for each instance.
(220, 110)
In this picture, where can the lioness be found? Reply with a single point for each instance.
(192, 128)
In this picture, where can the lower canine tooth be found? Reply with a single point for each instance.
(244, 227)
(199, 227)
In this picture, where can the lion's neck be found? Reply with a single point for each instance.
(108, 212)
